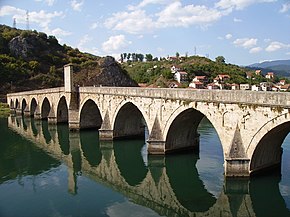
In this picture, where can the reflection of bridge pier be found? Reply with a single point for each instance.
(158, 185)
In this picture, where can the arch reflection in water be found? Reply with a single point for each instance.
(63, 136)
(129, 160)
(91, 147)
(169, 185)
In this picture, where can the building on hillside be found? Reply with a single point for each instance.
(203, 79)
(266, 86)
(285, 87)
(196, 85)
(172, 58)
(245, 87)
(269, 75)
(276, 88)
(258, 72)
(181, 76)
(221, 78)
(255, 88)
(174, 84)
(234, 86)
(213, 86)
(142, 84)
(282, 82)
(174, 69)
(249, 75)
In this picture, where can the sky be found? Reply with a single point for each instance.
(242, 31)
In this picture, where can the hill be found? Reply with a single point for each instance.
(269, 64)
(32, 60)
(149, 72)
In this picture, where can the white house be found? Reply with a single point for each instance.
(244, 87)
(255, 88)
(196, 85)
(180, 76)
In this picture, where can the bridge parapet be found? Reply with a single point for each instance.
(217, 96)
(36, 92)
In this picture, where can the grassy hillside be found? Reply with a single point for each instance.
(150, 72)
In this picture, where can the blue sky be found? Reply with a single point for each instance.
(243, 31)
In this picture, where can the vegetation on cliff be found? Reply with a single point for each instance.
(33, 60)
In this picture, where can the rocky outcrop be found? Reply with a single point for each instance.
(19, 47)
(106, 72)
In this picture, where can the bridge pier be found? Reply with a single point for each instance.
(26, 111)
(73, 119)
(237, 167)
(156, 147)
(106, 134)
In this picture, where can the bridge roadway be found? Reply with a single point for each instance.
(251, 125)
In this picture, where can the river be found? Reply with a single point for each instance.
(46, 170)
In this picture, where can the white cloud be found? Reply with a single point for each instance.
(77, 6)
(256, 50)
(144, 3)
(174, 14)
(41, 18)
(285, 7)
(229, 36)
(9, 10)
(236, 20)
(114, 43)
(48, 2)
(275, 45)
(94, 25)
(245, 42)
(85, 39)
(177, 15)
(134, 22)
(58, 32)
(239, 4)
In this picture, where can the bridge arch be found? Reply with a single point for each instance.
(33, 105)
(23, 105)
(267, 152)
(128, 121)
(62, 111)
(90, 115)
(45, 108)
(181, 127)
(11, 104)
(16, 103)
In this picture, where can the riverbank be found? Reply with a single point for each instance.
(4, 110)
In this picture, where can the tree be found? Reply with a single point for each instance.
(34, 65)
(177, 55)
(140, 57)
(148, 57)
(220, 59)
(122, 58)
(128, 56)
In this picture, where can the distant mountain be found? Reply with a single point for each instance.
(270, 64)
(279, 67)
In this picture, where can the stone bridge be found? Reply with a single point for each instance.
(251, 125)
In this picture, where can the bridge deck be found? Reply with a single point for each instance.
(218, 96)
